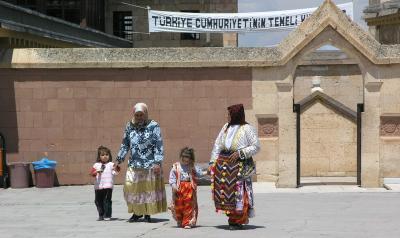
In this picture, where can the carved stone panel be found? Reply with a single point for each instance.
(390, 126)
(267, 127)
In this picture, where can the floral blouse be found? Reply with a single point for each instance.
(145, 144)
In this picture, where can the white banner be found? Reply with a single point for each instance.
(232, 22)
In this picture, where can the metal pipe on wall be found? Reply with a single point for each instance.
(3, 164)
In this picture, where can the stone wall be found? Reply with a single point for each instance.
(328, 143)
(70, 112)
(344, 83)
(390, 123)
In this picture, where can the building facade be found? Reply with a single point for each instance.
(128, 19)
(317, 113)
(121, 19)
(24, 28)
(383, 19)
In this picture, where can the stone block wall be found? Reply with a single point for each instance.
(70, 112)
(390, 123)
(328, 143)
(344, 83)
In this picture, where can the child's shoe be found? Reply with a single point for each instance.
(107, 218)
(187, 227)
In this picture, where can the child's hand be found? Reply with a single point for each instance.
(93, 172)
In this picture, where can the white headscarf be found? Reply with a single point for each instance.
(140, 107)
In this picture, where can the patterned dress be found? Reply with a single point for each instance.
(144, 190)
(184, 205)
(232, 194)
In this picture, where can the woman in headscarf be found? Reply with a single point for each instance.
(231, 167)
(144, 189)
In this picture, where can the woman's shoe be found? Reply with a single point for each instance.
(134, 218)
(235, 226)
(147, 218)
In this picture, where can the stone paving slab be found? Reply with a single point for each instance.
(69, 211)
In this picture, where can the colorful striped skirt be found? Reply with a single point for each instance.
(231, 195)
(144, 192)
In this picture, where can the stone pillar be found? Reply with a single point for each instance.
(287, 137)
(370, 140)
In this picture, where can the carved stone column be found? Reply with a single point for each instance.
(287, 137)
(370, 144)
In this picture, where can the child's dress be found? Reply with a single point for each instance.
(184, 206)
(103, 186)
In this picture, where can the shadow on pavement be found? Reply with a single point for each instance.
(153, 220)
(245, 227)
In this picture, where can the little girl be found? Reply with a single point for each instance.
(183, 180)
(104, 182)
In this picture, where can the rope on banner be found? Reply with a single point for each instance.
(137, 6)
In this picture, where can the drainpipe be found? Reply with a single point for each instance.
(3, 164)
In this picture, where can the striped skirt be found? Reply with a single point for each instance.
(144, 192)
(185, 209)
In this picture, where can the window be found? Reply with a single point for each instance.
(190, 36)
(68, 10)
(123, 24)
(31, 4)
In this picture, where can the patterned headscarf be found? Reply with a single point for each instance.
(237, 115)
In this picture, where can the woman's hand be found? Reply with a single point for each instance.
(116, 166)
(157, 169)
(233, 157)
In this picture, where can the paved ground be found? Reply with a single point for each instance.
(311, 211)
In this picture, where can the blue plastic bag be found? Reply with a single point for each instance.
(44, 163)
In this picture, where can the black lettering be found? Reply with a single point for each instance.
(215, 23)
(276, 21)
(291, 21)
(234, 23)
(226, 23)
(183, 20)
(190, 23)
(287, 21)
(220, 23)
(303, 17)
(270, 19)
(255, 23)
(281, 21)
(162, 21)
(174, 22)
(263, 20)
(209, 23)
(204, 23)
(239, 24)
(155, 20)
(167, 21)
(245, 22)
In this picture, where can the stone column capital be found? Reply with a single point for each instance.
(373, 86)
(284, 87)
